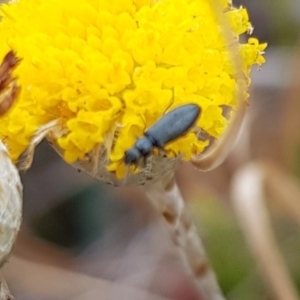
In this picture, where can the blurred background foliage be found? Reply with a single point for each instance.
(228, 252)
(274, 21)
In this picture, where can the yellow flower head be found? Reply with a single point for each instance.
(108, 70)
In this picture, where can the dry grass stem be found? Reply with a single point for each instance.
(168, 201)
(249, 203)
(283, 189)
(214, 157)
(219, 152)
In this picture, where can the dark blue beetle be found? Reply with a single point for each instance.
(171, 126)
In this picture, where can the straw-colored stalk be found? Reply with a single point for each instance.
(169, 203)
(217, 154)
(249, 202)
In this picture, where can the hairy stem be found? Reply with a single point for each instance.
(168, 201)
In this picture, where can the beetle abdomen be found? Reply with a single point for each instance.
(173, 124)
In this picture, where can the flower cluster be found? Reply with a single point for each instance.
(107, 70)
